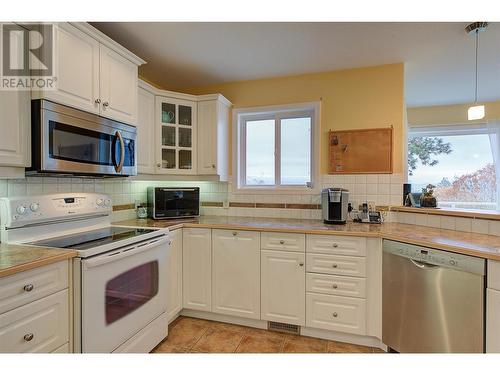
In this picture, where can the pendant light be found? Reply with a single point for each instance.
(476, 112)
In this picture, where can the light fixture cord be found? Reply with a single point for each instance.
(477, 44)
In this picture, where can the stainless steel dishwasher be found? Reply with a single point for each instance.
(433, 300)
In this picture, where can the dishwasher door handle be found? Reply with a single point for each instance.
(422, 264)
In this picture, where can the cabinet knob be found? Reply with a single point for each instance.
(235, 233)
(28, 337)
(335, 314)
(97, 101)
(301, 264)
(335, 245)
(334, 286)
(213, 166)
(105, 104)
(282, 242)
(158, 165)
(334, 265)
(28, 287)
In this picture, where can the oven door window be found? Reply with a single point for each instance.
(81, 145)
(130, 290)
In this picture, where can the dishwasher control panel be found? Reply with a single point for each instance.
(435, 257)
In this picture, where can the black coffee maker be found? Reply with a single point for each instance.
(334, 202)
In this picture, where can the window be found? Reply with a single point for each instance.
(458, 160)
(275, 147)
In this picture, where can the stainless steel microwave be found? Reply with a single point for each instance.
(70, 141)
(170, 203)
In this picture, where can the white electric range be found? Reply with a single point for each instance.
(119, 275)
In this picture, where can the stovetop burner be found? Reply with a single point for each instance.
(93, 238)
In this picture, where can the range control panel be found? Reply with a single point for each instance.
(21, 211)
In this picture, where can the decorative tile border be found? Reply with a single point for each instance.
(122, 207)
(212, 204)
(297, 206)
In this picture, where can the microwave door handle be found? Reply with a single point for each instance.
(119, 167)
(107, 258)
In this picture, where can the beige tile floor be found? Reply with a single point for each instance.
(189, 335)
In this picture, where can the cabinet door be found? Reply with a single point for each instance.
(207, 132)
(118, 86)
(236, 273)
(145, 132)
(283, 287)
(492, 321)
(77, 69)
(174, 299)
(15, 127)
(176, 136)
(213, 129)
(196, 268)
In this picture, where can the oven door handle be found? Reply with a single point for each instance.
(113, 256)
(119, 167)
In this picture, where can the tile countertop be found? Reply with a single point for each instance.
(480, 245)
(19, 258)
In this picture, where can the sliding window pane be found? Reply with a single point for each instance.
(296, 151)
(260, 152)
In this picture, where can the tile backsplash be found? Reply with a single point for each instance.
(217, 198)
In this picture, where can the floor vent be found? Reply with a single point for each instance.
(283, 327)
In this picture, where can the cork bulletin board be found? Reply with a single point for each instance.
(360, 151)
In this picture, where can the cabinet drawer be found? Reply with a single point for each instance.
(342, 245)
(336, 285)
(336, 265)
(283, 241)
(335, 313)
(25, 287)
(46, 320)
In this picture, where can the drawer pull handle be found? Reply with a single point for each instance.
(335, 265)
(28, 337)
(282, 242)
(235, 233)
(28, 288)
(335, 314)
(335, 286)
(335, 245)
(301, 264)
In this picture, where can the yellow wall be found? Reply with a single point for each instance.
(356, 98)
(450, 114)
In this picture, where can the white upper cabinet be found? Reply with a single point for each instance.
(15, 129)
(213, 131)
(94, 73)
(77, 69)
(118, 86)
(176, 136)
(145, 131)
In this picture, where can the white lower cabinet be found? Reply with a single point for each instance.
(41, 326)
(283, 287)
(197, 269)
(236, 273)
(336, 313)
(492, 321)
(174, 298)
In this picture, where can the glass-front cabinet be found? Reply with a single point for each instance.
(176, 135)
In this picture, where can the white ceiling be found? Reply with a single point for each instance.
(439, 57)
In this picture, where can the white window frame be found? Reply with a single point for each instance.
(278, 112)
(446, 130)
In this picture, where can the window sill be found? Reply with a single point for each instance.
(474, 214)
